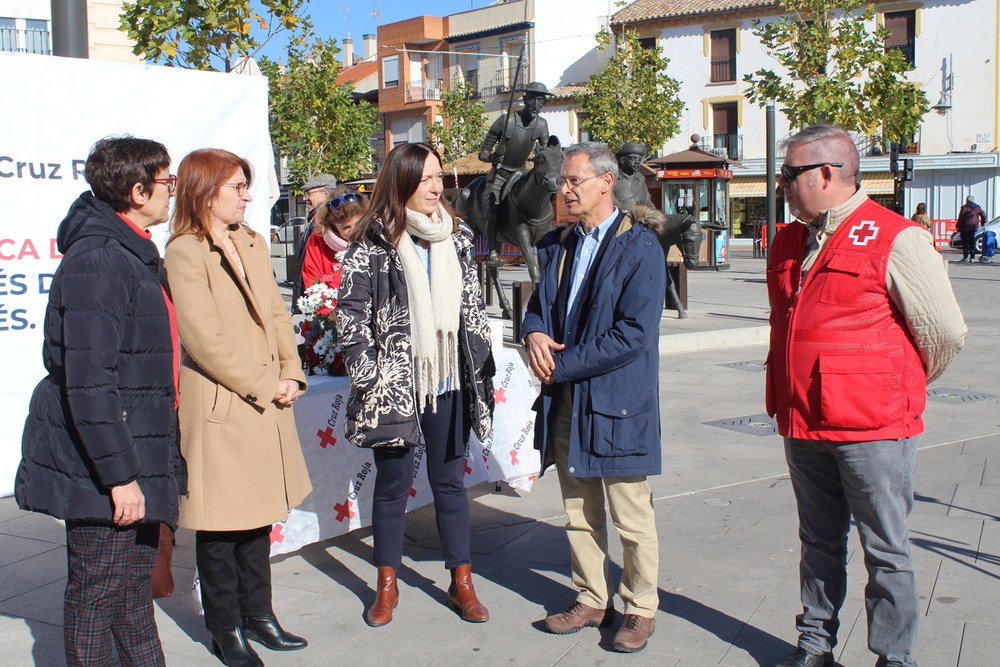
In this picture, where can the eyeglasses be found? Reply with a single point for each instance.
(241, 187)
(349, 198)
(573, 182)
(169, 181)
(790, 173)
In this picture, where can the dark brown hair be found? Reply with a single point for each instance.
(397, 180)
(199, 178)
(327, 216)
(116, 164)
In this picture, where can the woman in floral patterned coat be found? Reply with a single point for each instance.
(415, 338)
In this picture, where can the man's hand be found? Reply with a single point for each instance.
(129, 504)
(540, 348)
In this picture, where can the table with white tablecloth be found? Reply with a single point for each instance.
(343, 475)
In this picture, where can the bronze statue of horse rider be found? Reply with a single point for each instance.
(509, 142)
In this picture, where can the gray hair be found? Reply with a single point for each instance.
(828, 143)
(599, 156)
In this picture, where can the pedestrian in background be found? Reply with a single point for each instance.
(592, 337)
(970, 216)
(335, 221)
(100, 443)
(240, 374)
(316, 192)
(920, 216)
(416, 340)
(862, 318)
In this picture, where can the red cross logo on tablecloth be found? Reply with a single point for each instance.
(468, 468)
(498, 395)
(413, 492)
(513, 457)
(276, 535)
(863, 232)
(531, 478)
(326, 438)
(344, 510)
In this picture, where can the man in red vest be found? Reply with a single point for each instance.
(862, 318)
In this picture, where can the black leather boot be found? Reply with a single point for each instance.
(266, 630)
(231, 647)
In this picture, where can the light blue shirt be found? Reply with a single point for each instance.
(586, 249)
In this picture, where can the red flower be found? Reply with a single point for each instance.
(324, 311)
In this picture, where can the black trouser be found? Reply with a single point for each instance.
(445, 432)
(235, 573)
(968, 244)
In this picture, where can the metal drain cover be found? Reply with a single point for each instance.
(957, 396)
(759, 424)
(756, 365)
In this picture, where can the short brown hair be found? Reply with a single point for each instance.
(327, 216)
(115, 164)
(199, 178)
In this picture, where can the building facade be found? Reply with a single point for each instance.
(26, 26)
(711, 46)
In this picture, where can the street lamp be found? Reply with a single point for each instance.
(947, 84)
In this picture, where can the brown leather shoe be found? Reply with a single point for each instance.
(577, 616)
(386, 598)
(462, 596)
(633, 633)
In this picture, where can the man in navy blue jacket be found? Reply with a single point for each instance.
(591, 333)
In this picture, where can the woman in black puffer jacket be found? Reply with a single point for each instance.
(100, 446)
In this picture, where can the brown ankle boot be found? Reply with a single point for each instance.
(386, 598)
(462, 596)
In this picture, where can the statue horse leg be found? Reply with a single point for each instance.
(494, 275)
(674, 299)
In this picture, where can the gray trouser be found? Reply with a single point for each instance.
(873, 481)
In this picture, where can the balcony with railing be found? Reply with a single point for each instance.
(424, 89)
(726, 146)
(723, 69)
(25, 41)
(907, 47)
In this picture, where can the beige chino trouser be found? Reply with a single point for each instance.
(630, 501)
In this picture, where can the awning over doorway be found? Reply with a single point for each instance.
(877, 183)
(748, 186)
(756, 186)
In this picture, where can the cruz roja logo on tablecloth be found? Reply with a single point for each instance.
(863, 232)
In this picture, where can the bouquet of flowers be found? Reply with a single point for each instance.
(320, 350)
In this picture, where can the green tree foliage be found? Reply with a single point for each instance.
(845, 74)
(632, 98)
(315, 122)
(207, 34)
(463, 123)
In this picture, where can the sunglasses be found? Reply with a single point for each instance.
(790, 173)
(349, 198)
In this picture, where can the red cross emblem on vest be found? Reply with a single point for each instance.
(863, 232)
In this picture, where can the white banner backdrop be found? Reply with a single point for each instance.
(53, 111)
(343, 476)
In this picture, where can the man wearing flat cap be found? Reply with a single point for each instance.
(317, 191)
(630, 186)
(507, 145)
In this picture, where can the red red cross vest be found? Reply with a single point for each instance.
(842, 364)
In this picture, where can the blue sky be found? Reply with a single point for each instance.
(328, 18)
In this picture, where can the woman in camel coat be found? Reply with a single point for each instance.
(240, 373)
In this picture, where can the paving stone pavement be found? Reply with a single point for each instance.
(725, 517)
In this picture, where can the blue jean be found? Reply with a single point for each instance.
(873, 481)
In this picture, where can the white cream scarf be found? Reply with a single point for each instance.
(434, 303)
